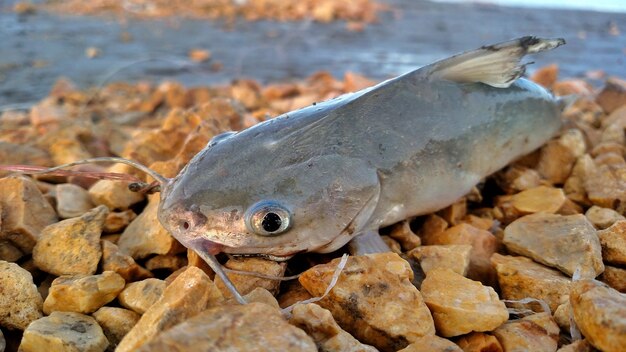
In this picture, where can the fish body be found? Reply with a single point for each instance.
(312, 179)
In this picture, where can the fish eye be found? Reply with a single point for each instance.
(268, 218)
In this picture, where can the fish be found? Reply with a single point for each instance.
(314, 179)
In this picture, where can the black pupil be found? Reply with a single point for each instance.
(271, 222)
(186, 225)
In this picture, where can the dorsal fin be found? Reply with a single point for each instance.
(497, 65)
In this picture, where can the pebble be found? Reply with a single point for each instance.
(64, 331)
(145, 236)
(558, 156)
(402, 233)
(71, 246)
(20, 302)
(537, 333)
(577, 346)
(603, 218)
(453, 213)
(250, 327)
(483, 243)
(291, 293)
(8, 252)
(189, 294)
(246, 283)
(169, 263)
(259, 295)
(479, 342)
(72, 201)
(374, 299)
(455, 257)
(460, 305)
(546, 75)
(604, 184)
(115, 194)
(114, 260)
(517, 178)
(25, 212)
(600, 314)
(193, 259)
(539, 199)
(431, 228)
(139, 296)
(319, 324)
(115, 323)
(82, 293)
(520, 278)
(613, 241)
(432, 344)
(563, 316)
(567, 243)
(117, 221)
(615, 277)
(613, 95)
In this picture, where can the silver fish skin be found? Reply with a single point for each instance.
(408, 146)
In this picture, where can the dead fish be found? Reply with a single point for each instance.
(313, 179)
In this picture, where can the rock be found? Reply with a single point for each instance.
(25, 212)
(516, 178)
(574, 186)
(600, 314)
(259, 295)
(245, 283)
(537, 333)
(577, 346)
(432, 344)
(145, 235)
(115, 194)
(613, 241)
(394, 246)
(189, 294)
(483, 243)
(22, 154)
(169, 263)
(521, 278)
(72, 201)
(373, 299)
(193, 259)
(563, 316)
(64, 331)
(546, 75)
(291, 293)
(615, 277)
(539, 199)
(114, 260)
(454, 212)
(577, 87)
(613, 95)
(250, 327)
(605, 184)
(603, 218)
(82, 293)
(117, 221)
(71, 246)
(431, 228)
(139, 296)
(567, 243)
(558, 156)
(199, 55)
(460, 305)
(402, 233)
(3, 343)
(479, 342)
(319, 324)
(453, 257)
(20, 302)
(115, 323)
(8, 252)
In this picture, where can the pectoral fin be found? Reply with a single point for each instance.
(497, 65)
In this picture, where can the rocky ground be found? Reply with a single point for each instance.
(534, 259)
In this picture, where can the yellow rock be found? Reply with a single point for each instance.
(537, 333)
(479, 342)
(455, 257)
(432, 344)
(114, 194)
(613, 241)
(64, 331)
(82, 293)
(114, 260)
(115, 323)
(20, 302)
(245, 283)
(539, 199)
(603, 218)
(139, 296)
(615, 277)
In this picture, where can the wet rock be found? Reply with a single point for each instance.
(483, 243)
(577, 346)
(20, 302)
(251, 327)
(139, 296)
(25, 212)
(567, 243)
(558, 156)
(64, 331)
(520, 278)
(82, 293)
(189, 294)
(245, 283)
(432, 344)
(71, 246)
(613, 241)
(460, 305)
(72, 201)
(453, 257)
(145, 235)
(114, 260)
(115, 323)
(319, 324)
(600, 314)
(479, 342)
(613, 95)
(117, 221)
(402, 233)
(537, 332)
(115, 194)
(615, 277)
(373, 299)
(602, 218)
(166, 262)
(539, 199)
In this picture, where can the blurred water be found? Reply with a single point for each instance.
(596, 5)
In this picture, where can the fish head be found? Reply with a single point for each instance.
(241, 198)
